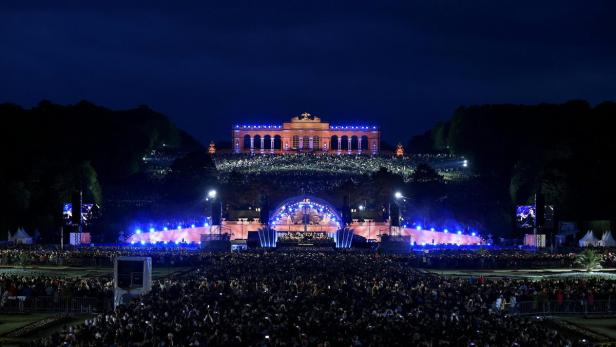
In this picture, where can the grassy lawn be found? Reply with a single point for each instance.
(10, 322)
(602, 326)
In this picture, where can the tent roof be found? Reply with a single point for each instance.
(21, 234)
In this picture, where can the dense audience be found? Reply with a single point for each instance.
(329, 299)
(341, 167)
(25, 287)
(98, 256)
(474, 258)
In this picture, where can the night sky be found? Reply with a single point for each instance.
(401, 65)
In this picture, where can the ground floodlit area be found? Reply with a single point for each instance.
(319, 297)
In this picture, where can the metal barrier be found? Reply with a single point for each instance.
(552, 307)
(61, 304)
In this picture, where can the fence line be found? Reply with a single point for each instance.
(61, 304)
(554, 307)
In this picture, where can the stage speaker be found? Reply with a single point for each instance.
(395, 215)
(264, 213)
(133, 277)
(539, 210)
(216, 209)
(76, 207)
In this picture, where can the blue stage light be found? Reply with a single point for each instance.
(179, 227)
(142, 242)
(473, 234)
(152, 230)
(165, 242)
(459, 232)
(431, 229)
(165, 228)
(418, 227)
(192, 225)
(138, 231)
(132, 242)
(445, 231)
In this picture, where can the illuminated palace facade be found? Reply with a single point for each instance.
(306, 134)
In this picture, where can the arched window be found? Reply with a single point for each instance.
(246, 141)
(364, 142)
(334, 143)
(295, 144)
(345, 143)
(354, 143)
(257, 142)
(277, 142)
(268, 142)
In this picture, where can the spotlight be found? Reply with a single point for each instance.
(211, 194)
(398, 195)
(138, 231)
(142, 242)
(165, 228)
(459, 232)
(151, 230)
(473, 234)
(445, 231)
(418, 227)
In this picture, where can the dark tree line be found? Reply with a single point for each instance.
(565, 151)
(51, 150)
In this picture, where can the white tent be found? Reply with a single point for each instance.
(20, 237)
(607, 240)
(589, 240)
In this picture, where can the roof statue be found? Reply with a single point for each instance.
(399, 150)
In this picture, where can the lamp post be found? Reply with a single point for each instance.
(211, 196)
(397, 196)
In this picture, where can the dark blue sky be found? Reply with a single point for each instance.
(402, 65)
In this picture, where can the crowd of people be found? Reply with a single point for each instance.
(446, 258)
(317, 298)
(98, 256)
(341, 166)
(24, 287)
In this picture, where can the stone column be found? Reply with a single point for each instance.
(272, 142)
(349, 142)
(262, 143)
(301, 142)
(339, 144)
(359, 145)
(252, 143)
(311, 142)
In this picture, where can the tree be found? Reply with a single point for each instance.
(425, 173)
(589, 259)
